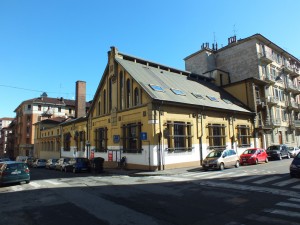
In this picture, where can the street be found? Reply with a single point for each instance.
(260, 194)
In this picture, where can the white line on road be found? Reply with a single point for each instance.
(283, 212)
(286, 182)
(34, 184)
(265, 180)
(287, 204)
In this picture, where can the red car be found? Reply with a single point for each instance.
(253, 156)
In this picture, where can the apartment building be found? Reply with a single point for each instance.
(35, 110)
(262, 75)
(4, 131)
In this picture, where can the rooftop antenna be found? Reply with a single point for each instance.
(234, 30)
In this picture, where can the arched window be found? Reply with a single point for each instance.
(128, 92)
(121, 90)
(104, 102)
(136, 96)
(110, 95)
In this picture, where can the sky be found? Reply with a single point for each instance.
(46, 46)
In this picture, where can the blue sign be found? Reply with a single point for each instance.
(116, 138)
(143, 136)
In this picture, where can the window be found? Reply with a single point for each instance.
(59, 109)
(128, 92)
(104, 102)
(136, 96)
(284, 115)
(177, 92)
(156, 87)
(67, 142)
(70, 111)
(214, 99)
(216, 136)
(80, 140)
(110, 95)
(286, 136)
(101, 139)
(39, 107)
(243, 135)
(28, 107)
(131, 138)
(121, 91)
(198, 96)
(179, 135)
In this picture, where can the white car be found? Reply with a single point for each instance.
(39, 163)
(293, 151)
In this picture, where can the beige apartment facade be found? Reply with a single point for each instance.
(264, 77)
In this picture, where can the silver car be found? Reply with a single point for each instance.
(220, 159)
(293, 151)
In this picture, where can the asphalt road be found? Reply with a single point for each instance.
(261, 194)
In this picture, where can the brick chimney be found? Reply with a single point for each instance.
(80, 101)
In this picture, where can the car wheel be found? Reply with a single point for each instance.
(221, 167)
(27, 181)
(266, 160)
(280, 157)
(256, 161)
(237, 164)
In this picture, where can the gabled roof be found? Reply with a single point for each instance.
(178, 87)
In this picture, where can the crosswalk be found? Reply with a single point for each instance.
(284, 212)
(262, 178)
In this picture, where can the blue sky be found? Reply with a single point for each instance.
(46, 46)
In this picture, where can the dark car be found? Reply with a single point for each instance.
(97, 164)
(14, 172)
(78, 164)
(278, 152)
(295, 166)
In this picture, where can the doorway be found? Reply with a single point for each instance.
(280, 137)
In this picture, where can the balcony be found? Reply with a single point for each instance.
(290, 86)
(296, 71)
(271, 100)
(293, 106)
(288, 68)
(265, 57)
(269, 78)
(48, 113)
(297, 124)
(276, 122)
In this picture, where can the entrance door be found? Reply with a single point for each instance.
(280, 137)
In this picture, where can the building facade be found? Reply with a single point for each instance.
(4, 132)
(35, 110)
(264, 77)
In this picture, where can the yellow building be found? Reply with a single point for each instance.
(161, 117)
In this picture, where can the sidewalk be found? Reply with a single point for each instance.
(137, 173)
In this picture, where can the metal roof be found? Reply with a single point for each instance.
(147, 75)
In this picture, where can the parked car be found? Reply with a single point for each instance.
(51, 163)
(278, 152)
(253, 156)
(220, 159)
(62, 162)
(21, 158)
(293, 151)
(30, 161)
(97, 164)
(5, 159)
(14, 172)
(78, 164)
(39, 163)
(295, 166)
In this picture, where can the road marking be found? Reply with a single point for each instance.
(283, 212)
(294, 199)
(240, 175)
(248, 178)
(296, 187)
(53, 182)
(287, 204)
(171, 178)
(286, 182)
(269, 220)
(265, 180)
(34, 184)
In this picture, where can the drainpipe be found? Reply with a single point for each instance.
(200, 140)
(160, 151)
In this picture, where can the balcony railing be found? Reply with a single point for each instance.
(290, 86)
(266, 56)
(294, 105)
(271, 100)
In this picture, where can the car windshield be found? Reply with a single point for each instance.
(275, 147)
(249, 151)
(291, 148)
(214, 154)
